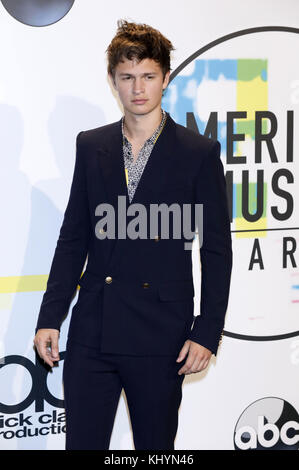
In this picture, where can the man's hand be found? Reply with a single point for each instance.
(198, 357)
(46, 343)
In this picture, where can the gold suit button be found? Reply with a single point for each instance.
(157, 238)
(108, 280)
(101, 230)
(145, 285)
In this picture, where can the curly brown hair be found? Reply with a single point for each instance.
(138, 41)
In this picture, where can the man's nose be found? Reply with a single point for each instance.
(138, 86)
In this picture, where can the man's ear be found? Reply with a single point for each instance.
(166, 80)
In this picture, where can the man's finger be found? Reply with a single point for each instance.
(195, 366)
(54, 349)
(187, 365)
(205, 364)
(41, 346)
(183, 351)
(201, 365)
(44, 353)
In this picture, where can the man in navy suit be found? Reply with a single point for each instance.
(133, 326)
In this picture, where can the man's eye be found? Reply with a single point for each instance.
(150, 76)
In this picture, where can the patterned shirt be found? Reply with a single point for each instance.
(134, 170)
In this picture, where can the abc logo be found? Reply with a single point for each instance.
(38, 12)
(269, 423)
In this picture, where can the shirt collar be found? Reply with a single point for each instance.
(154, 136)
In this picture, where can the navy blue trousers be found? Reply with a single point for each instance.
(93, 382)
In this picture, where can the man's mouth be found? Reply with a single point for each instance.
(139, 101)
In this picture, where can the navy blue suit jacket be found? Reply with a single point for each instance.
(147, 307)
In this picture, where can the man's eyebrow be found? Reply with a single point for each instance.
(132, 75)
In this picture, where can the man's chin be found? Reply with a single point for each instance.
(140, 110)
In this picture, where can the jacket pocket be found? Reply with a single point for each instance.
(176, 290)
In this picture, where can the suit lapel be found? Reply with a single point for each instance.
(112, 164)
(159, 167)
(156, 172)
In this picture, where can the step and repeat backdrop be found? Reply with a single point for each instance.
(235, 78)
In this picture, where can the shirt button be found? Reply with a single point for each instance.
(145, 285)
(108, 280)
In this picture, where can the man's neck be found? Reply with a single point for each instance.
(140, 127)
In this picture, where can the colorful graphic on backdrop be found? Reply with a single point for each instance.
(234, 90)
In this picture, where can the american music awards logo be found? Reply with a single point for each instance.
(243, 90)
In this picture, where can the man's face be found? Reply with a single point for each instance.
(139, 85)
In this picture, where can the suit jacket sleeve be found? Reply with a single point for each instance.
(215, 251)
(71, 250)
